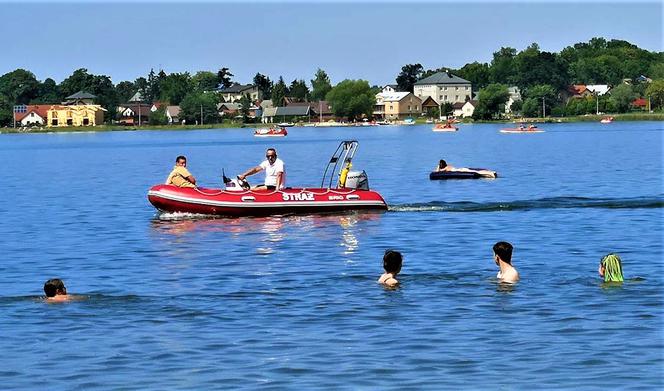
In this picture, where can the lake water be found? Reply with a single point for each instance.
(184, 303)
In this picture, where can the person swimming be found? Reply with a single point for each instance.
(610, 267)
(392, 261)
(55, 290)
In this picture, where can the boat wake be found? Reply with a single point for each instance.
(543, 203)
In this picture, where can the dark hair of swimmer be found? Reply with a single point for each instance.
(442, 164)
(177, 159)
(504, 251)
(392, 261)
(53, 286)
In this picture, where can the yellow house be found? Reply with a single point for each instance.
(398, 105)
(75, 115)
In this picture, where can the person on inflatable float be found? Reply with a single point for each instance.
(180, 176)
(275, 172)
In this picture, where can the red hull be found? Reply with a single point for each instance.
(170, 198)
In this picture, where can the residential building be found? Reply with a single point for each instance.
(320, 111)
(134, 113)
(235, 92)
(31, 115)
(173, 114)
(599, 89)
(640, 103)
(429, 105)
(80, 98)
(465, 109)
(397, 105)
(285, 113)
(391, 88)
(443, 87)
(228, 109)
(515, 94)
(75, 115)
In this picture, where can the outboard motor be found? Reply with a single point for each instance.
(357, 180)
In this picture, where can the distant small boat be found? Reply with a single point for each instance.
(409, 121)
(429, 121)
(271, 132)
(448, 127)
(522, 129)
(606, 120)
(285, 124)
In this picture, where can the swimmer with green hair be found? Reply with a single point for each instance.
(610, 267)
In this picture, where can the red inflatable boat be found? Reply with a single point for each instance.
(350, 193)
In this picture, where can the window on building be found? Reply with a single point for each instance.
(70, 122)
(445, 98)
(445, 88)
(456, 88)
(456, 98)
(391, 107)
(86, 122)
(466, 88)
(54, 122)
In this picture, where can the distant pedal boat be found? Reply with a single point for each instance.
(271, 132)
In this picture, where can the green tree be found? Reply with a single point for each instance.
(193, 103)
(543, 91)
(299, 90)
(141, 85)
(516, 106)
(409, 74)
(245, 105)
(503, 66)
(492, 101)
(19, 87)
(48, 93)
(622, 97)
(264, 85)
(535, 67)
(175, 87)
(531, 107)
(448, 108)
(656, 93)
(125, 91)
(279, 92)
(656, 71)
(224, 76)
(159, 117)
(6, 110)
(477, 73)
(320, 85)
(153, 90)
(351, 99)
(205, 81)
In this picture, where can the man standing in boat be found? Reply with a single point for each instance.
(180, 176)
(275, 172)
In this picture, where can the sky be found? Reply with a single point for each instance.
(368, 40)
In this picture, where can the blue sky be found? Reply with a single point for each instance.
(368, 40)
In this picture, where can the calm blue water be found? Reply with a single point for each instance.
(185, 303)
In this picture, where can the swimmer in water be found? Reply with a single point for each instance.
(392, 261)
(502, 255)
(55, 290)
(610, 268)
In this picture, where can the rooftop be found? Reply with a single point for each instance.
(442, 78)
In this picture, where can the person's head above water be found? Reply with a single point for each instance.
(442, 164)
(54, 286)
(392, 261)
(504, 251)
(610, 267)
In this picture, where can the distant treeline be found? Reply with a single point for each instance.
(596, 62)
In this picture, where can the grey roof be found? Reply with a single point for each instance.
(229, 106)
(267, 103)
(236, 88)
(81, 95)
(269, 111)
(442, 78)
(292, 110)
(137, 97)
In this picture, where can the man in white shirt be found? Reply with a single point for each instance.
(275, 172)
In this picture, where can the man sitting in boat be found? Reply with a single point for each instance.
(180, 176)
(275, 172)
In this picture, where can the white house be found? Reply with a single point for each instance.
(443, 87)
(599, 89)
(515, 94)
(465, 109)
(235, 92)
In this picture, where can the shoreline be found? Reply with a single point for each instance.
(420, 121)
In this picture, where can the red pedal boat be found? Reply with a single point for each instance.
(271, 132)
(351, 193)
